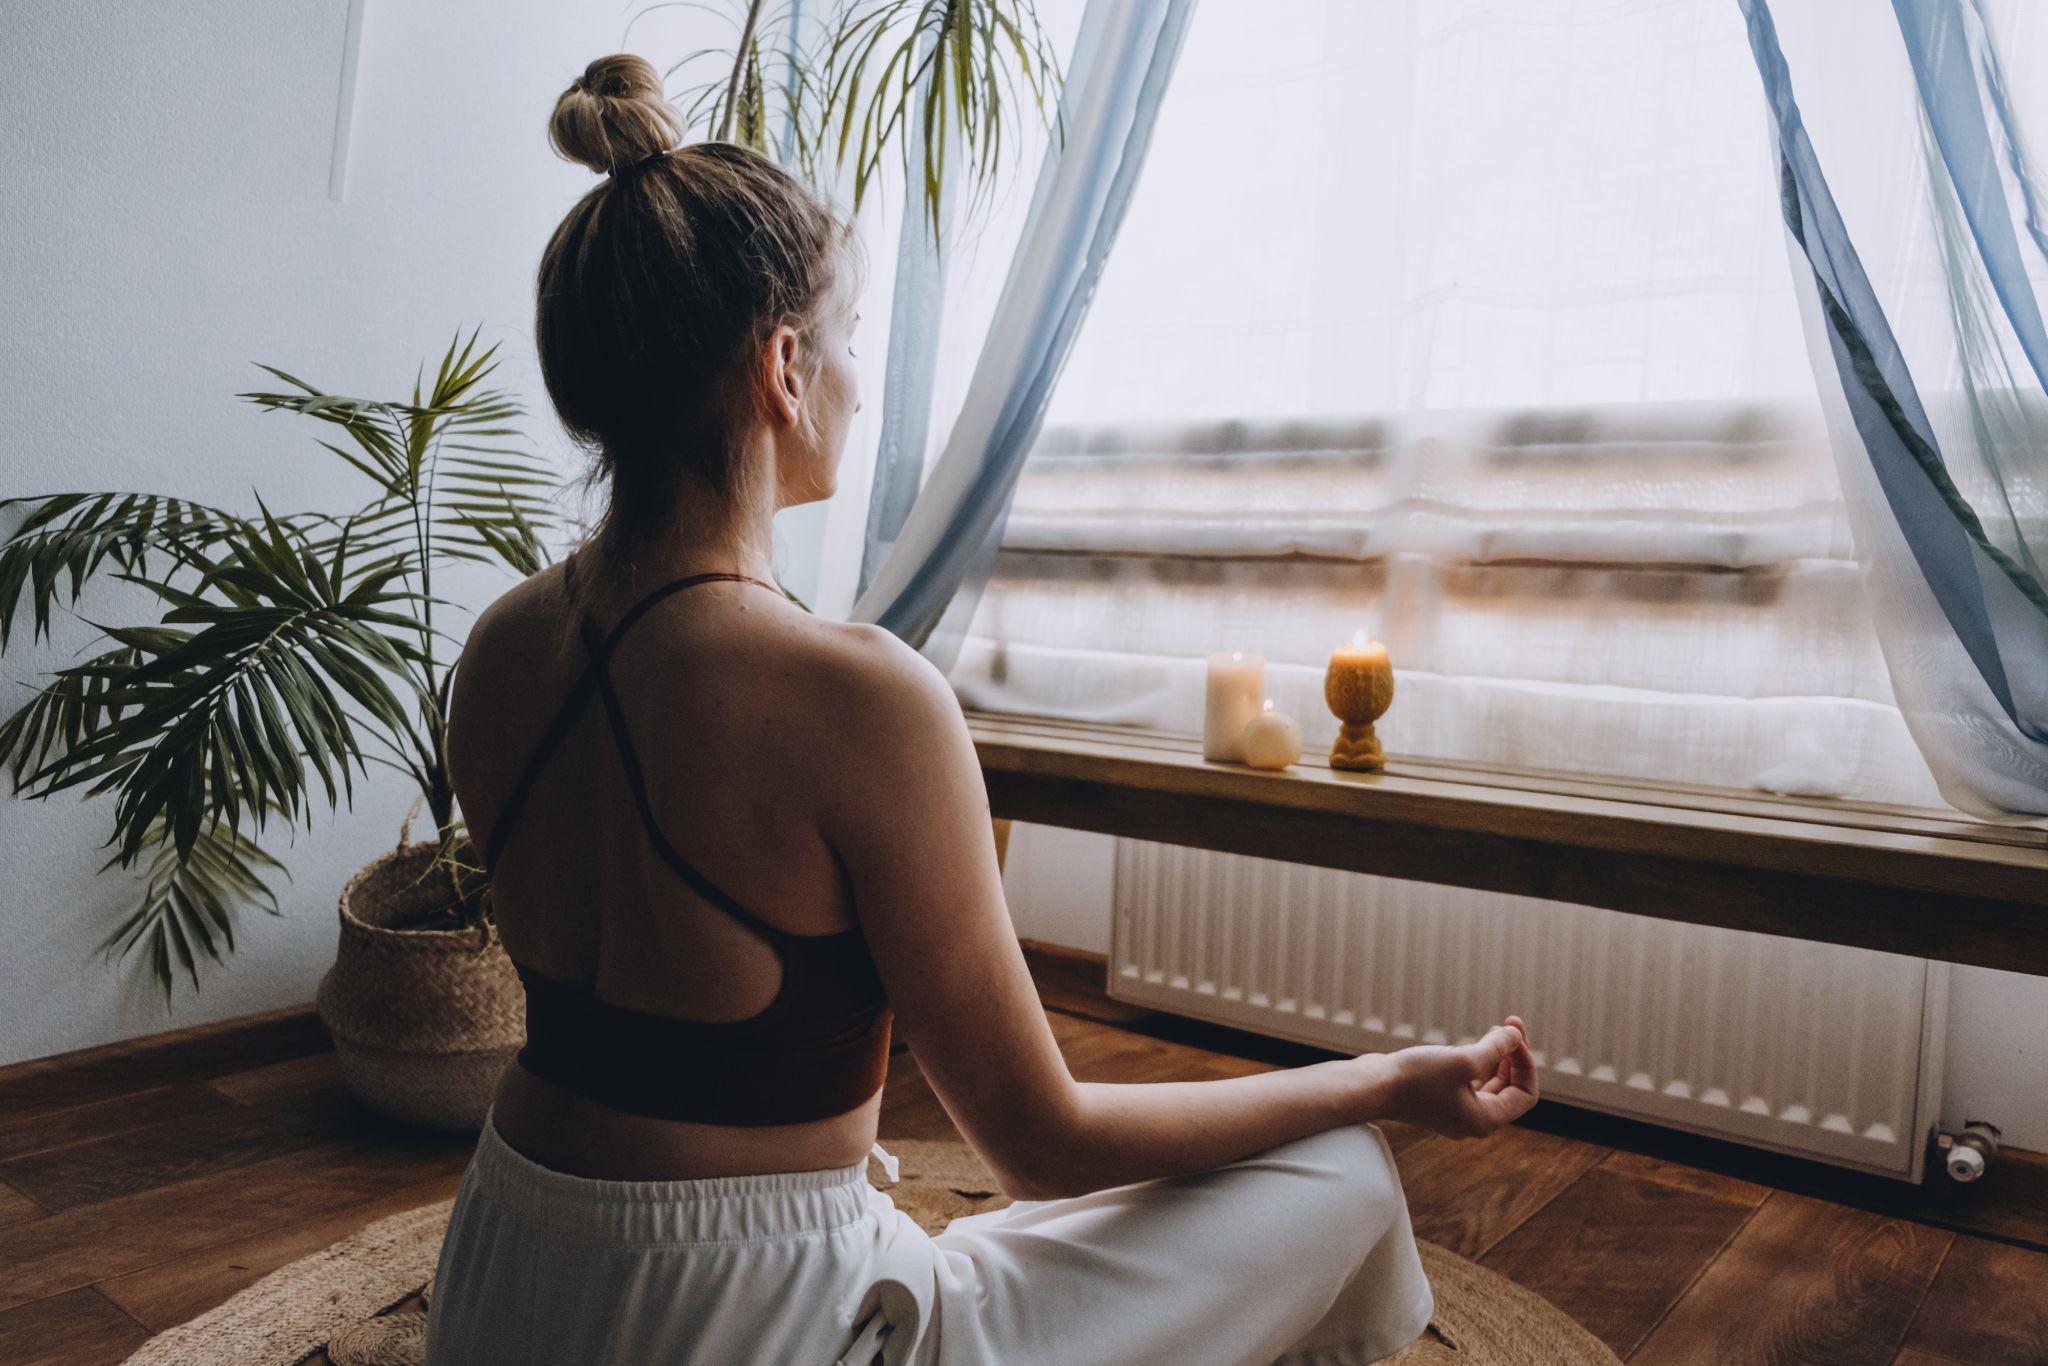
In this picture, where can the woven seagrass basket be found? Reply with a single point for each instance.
(424, 1006)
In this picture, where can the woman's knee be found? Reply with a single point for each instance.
(1352, 1170)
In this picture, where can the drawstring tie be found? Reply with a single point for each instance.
(891, 1299)
(868, 1345)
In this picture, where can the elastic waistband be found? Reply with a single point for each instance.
(704, 1210)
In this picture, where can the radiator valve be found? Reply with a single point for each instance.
(1969, 1152)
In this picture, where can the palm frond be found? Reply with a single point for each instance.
(189, 900)
(227, 718)
(449, 475)
(67, 538)
(493, 500)
(374, 427)
(951, 71)
(760, 92)
(957, 74)
(65, 712)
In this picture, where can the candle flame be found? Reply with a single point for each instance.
(1358, 639)
(1268, 706)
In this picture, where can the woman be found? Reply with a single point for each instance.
(733, 846)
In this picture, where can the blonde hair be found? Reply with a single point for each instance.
(656, 291)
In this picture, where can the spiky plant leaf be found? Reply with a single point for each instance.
(189, 901)
(225, 713)
(62, 713)
(449, 471)
(950, 70)
(875, 72)
(67, 538)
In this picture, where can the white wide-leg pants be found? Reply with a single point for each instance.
(1301, 1254)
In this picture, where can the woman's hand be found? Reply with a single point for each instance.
(1467, 1091)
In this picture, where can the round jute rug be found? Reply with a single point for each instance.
(361, 1301)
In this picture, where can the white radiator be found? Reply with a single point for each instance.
(1813, 1049)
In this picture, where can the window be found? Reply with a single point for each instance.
(1472, 327)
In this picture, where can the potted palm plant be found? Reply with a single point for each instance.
(288, 652)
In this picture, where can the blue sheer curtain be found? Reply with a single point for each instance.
(926, 589)
(916, 310)
(1940, 418)
(917, 306)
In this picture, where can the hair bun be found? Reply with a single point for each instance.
(614, 114)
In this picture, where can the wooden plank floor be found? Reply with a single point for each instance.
(144, 1183)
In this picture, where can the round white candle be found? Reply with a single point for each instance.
(1236, 682)
(1271, 739)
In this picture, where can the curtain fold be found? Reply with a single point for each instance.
(1956, 69)
(927, 588)
(916, 311)
(1943, 456)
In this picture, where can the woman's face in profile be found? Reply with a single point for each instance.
(811, 469)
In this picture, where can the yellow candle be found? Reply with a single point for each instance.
(1359, 686)
(1271, 739)
(1236, 682)
(1359, 653)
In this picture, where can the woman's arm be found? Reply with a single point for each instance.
(907, 812)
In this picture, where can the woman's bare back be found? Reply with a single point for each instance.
(726, 689)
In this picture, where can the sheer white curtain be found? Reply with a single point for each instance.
(1916, 207)
(1471, 326)
(927, 587)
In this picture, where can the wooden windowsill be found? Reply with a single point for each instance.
(1904, 880)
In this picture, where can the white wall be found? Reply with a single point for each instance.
(166, 221)
(1059, 884)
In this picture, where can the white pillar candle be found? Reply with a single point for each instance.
(1236, 683)
(1271, 739)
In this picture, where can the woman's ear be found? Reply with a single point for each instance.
(785, 380)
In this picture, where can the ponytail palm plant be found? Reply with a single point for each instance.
(285, 652)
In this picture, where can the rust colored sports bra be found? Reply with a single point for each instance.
(820, 1048)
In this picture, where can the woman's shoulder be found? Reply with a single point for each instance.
(856, 700)
(529, 618)
(512, 671)
(519, 633)
(872, 717)
(867, 666)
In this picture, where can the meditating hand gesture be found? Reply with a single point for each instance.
(1467, 1090)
